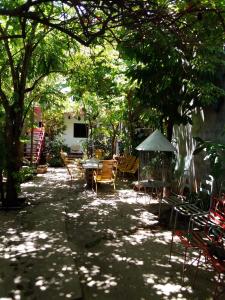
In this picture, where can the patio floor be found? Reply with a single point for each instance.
(71, 244)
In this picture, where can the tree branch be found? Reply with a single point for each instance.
(85, 14)
(13, 36)
(23, 12)
(28, 49)
(44, 21)
(3, 97)
(10, 58)
(35, 83)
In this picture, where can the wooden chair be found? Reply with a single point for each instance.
(107, 174)
(68, 163)
(65, 158)
(99, 153)
(134, 168)
(128, 164)
(76, 151)
(124, 161)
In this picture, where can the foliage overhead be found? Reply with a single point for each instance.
(85, 20)
(98, 86)
(38, 36)
(174, 73)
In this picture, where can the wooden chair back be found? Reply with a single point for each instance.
(99, 153)
(133, 168)
(108, 170)
(68, 163)
(126, 163)
(107, 174)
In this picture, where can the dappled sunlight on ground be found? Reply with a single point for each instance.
(23, 256)
(35, 256)
(163, 237)
(168, 289)
(118, 246)
(123, 252)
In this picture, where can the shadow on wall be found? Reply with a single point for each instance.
(208, 124)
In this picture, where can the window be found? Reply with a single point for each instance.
(80, 130)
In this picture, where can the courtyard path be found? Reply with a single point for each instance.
(122, 249)
(36, 260)
(70, 244)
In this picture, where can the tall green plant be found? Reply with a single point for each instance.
(214, 152)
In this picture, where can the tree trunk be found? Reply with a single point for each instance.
(90, 138)
(13, 159)
(130, 122)
(168, 171)
(1, 186)
(18, 62)
(169, 130)
(113, 141)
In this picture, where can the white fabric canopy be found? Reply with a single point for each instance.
(156, 142)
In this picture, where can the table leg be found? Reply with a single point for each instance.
(89, 177)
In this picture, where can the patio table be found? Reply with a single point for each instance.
(89, 166)
(155, 185)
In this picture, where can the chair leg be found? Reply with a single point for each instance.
(171, 216)
(197, 269)
(173, 232)
(160, 204)
(184, 263)
(190, 224)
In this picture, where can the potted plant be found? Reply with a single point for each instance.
(153, 169)
(41, 169)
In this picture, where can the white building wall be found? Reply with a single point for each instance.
(67, 136)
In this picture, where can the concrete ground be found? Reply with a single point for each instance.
(71, 244)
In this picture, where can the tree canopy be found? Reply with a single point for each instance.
(176, 74)
(175, 62)
(85, 20)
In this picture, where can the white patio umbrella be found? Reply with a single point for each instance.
(156, 142)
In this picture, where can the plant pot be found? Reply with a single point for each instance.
(41, 169)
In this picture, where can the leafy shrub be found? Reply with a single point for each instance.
(214, 152)
(54, 148)
(26, 173)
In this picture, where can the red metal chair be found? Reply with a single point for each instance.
(194, 209)
(208, 243)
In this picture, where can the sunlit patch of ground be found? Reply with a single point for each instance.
(119, 246)
(36, 260)
(123, 251)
